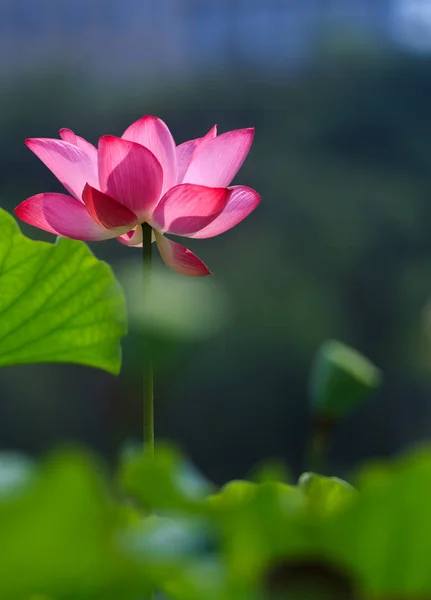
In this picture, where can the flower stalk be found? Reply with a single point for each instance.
(318, 445)
(147, 368)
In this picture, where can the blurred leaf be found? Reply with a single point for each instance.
(58, 303)
(341, 378)
(259, 523)
(166, 481)
(16, 474)
(179, 556)
(61, 531)
(233, 494)
(325, 495)
(166, 539)
(205, 580)
(384, 536)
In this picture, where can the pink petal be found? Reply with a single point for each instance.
(68, 135)
(180, 259)
(106, 211)
(61, 215)
(187, 208)
(131, 174)
(241, 202)
(154, 134)
(132, 237)
(70, 164)
(216, 162)
(185, 152)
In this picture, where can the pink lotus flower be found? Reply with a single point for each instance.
(144, 177)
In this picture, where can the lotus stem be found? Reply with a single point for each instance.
(148, 378)
(318, 444)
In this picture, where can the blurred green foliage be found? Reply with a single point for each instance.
(77, 535)
(325, 494)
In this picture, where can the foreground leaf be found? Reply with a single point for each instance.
(384, 536)
(166, 481)
(325, 495)
(58, 536)
(58, 303)
(259, 523)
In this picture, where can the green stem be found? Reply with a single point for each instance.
(148, 389)
(318, 444)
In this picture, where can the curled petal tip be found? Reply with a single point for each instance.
(248, 131)
(180, 259)
(108, 138)
(67, 135)
(150, 118)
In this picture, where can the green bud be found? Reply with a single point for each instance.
(341, 378)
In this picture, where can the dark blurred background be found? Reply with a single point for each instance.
(339, 92)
